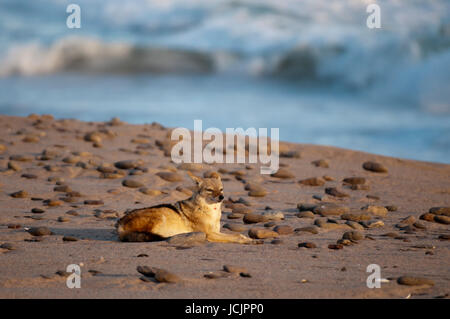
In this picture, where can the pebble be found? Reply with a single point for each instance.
(270, 224)
(353, 235)
(427, 216)
(283, 173)
(52, 202)
(414, 281)
(440, 211)
(305, 214)
(132, 183)
(62, 188)
(235, 216)
(391, 208)
(93, 137)
(14, 226)
(69, 238)
(290, 154)
(442, 219)
(142, 255)
(320, 163)
(63, 219)
(313, 181)
(273, 215)
(240, 209)
(39, 231)
(330, 209)
(374, 167)
(37, 211)
(257, 193)
(170, 176)
(376, 210)
(277, 242)
(261, 233)
(235, 227)
(335, 246)
(7, 246)
(331, 226)
(253, 218)
(71, 159)
(14, 166)
(284, 229)
(29, 176)
(187, 239)
(354, 180)
(307, 245)
(372, 223)
(216, 275)
(194, 167)
(21, 158)
(93, 202)
(19, 194)
(148, 191)
(444, 237)
(333, 191)
(306, 207)
(128, 164)
(147, 271)
(354, 225)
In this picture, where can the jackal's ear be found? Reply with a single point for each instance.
(214, 175)
(196, 179)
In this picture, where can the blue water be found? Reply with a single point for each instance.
(310, 68)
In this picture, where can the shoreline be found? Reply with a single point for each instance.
(76, 191)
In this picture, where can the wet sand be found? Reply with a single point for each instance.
(71, 187)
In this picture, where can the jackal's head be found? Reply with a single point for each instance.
(209, 189)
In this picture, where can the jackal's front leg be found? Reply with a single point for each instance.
(229, 238)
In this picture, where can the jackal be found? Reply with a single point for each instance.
(199, 213)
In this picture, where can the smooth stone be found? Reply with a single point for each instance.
(170, 176)
(414, 281)
(257, 193)
(241, 209)
(330, 209)
(71, 159)
(29, 176)
(216, 275)
(440, 211)
(391, 208)
(320, 163)
(39, 231)
(93, 202)
(290, 154)
(132, 183)
(306, 207)
(147, 271)
(261, 233)
(37, 211)
(273, 215)
(62, 188)
(376, 210)
(283, 229)
(354, 180)
(309, 229)
(330, 226)
(270, 224)
(21, 158)
(428, 217)
(354, 225)
(253, 218)
(235, 216)
(7, 246)
(374, 167)
(128, 164)
(335, 246)
(194, 167)
(353, 235)
(19, 194)
(283, 174)
(63, 219)
(333, 191)
(372, 223)
(69, 238)
(150, 192)
(313, 181)
(277, 242)
(93, 137)
(307, 245)
(442, 219)
(305, 214)
(192, 238)
(14, 166)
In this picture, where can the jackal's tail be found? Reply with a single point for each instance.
(134, 236)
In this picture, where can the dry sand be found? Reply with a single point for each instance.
(283, 270)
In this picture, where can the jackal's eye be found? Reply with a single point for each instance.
(209, 190)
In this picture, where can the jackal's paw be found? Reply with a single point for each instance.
(245, 240)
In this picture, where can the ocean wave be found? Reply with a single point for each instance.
(88, 55)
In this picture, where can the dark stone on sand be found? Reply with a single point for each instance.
(132, 183)
(284, 229)
(14, 226)
(309, 229)
(442, 219)
(290, 154)
(69, 238)
(333, 191)
(170, 176)
(353, 235)
(428, 217)
(261, 233)
(37, 210)
(335, 246)
(39, 231)
(162, 275)
(62, 188)
(234, 269)
(354, 180)
(440, 211)
(306, 207)
(235, 227)
(19, 194)
(142, 255)
(307, 245)
(127, 164)
(313, 181)
(414, 281)
(320, 163)
(93, 202)
(252, 218)
(391, 208)
(444, 237)
(374, 167)
(305, 214)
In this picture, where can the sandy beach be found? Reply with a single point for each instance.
(62, 190)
